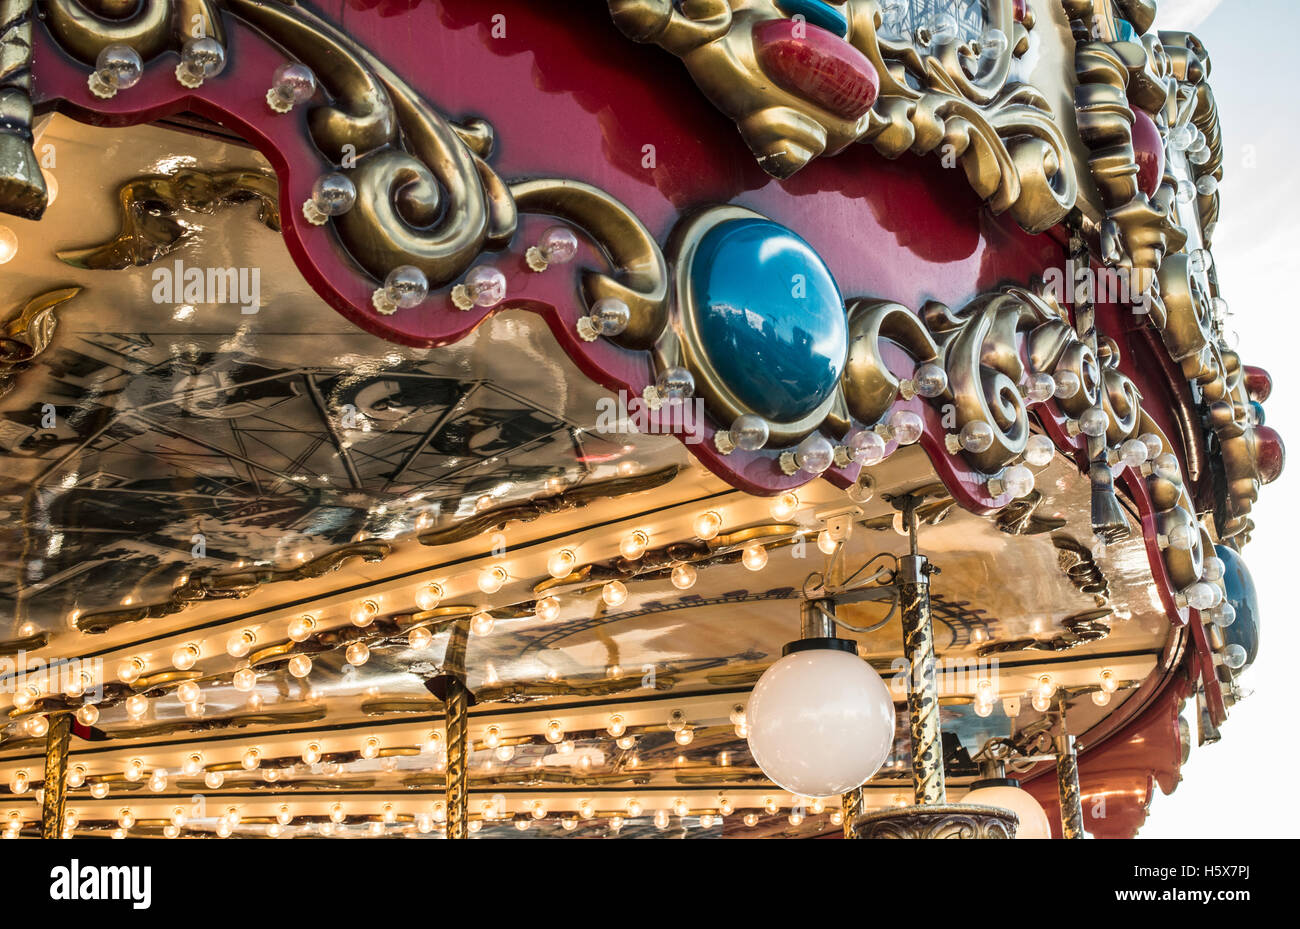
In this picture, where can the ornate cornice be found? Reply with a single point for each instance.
(952, 100)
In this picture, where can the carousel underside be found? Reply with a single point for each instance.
(283, 553)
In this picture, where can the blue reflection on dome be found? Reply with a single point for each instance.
(1240, 590)
(770, 317)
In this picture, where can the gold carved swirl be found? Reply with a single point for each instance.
(149, 206)
(1003, 134)
(86, 27)
(28, 332)
(232, 585)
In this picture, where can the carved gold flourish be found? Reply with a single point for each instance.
(232, 585)
(149, 207)
(28, 332)
(1003, 134)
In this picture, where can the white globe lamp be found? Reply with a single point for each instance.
(821, 721)
(1006, 793)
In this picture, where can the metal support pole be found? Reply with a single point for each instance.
(1067, 782)
(56, 776)
(914, 572)
(456, 704)
(852, 806)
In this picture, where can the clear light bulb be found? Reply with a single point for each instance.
(365, 613)
(707, 525)
(684, 576)
(562, 563)
(357, 654)
(419, 638)
(482, 624)
(185, 657)
(301, 629)
(614, 593)
(785, 505)
(492, 578)
(429, 596)
(634, 545)
(245, 679)
(754, 556)
(554, 731)
(547, 609)
(300, 666)
(251, 759)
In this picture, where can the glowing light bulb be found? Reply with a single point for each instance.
(214, 779)
(357, 654)
(300, 666)
(245, 679)
(617, 726)
(750, 819)
(137, 705)
(482, 624)
(707, 525)
(547, 609)
(754, 556)
(189, 692)
(562, 563)
(250, 759)
(685, 736)
(492, 737)
(554, 731)
(364, 613)
(370, 748)
(614, 593)
(825, 542)
(300, 629)
(336, 813)
(185, 657)
(633, 546)
(429, 596)
(661, 819)
(492, 578)
(684, 576)
(193, 764)
(785, 505)
(1109, 682)
(241, 643)
(1100, 697)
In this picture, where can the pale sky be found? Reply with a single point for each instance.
(1236, 787)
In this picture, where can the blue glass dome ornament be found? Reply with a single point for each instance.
(763, 324)
(1239, 589)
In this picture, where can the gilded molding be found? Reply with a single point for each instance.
(28, 332)
(1003, 133)
(1137, 231)
(232, 585)
(148, 208)
(938, 821)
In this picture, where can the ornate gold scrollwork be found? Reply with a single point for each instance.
(1138, 231)
(232, 586)
(1003, 134)
(980, 348)
(28, 332)
(86, 27)
(529, 510)
(149, 206)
